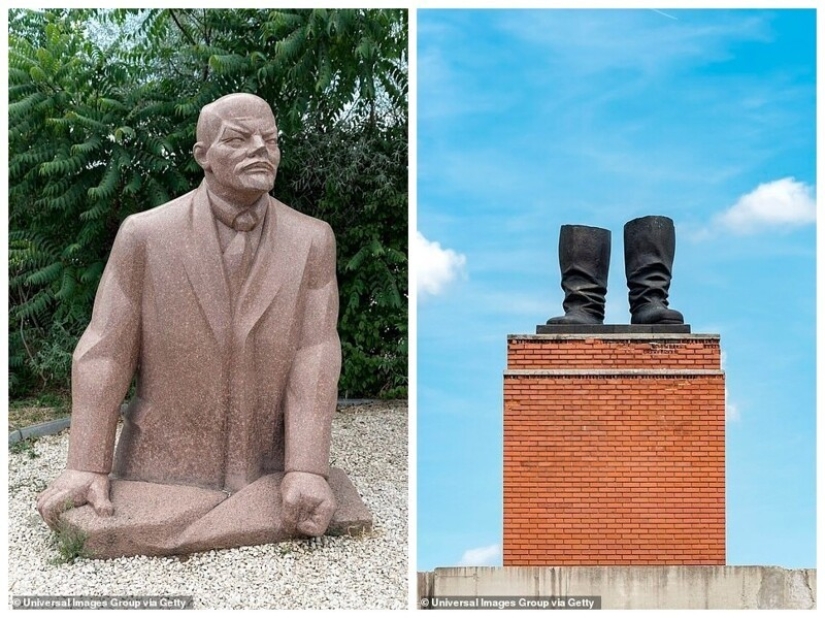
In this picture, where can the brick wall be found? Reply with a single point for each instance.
(614, 450)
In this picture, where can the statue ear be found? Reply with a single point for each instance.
(200, 151)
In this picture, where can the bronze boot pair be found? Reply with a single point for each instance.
(584, 257)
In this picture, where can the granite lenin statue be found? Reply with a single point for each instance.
(223, 303)
(584, 257)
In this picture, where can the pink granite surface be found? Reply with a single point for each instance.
(224, 304)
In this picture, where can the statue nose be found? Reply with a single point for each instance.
(257, 144)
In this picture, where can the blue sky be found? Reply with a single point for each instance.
(528, 120)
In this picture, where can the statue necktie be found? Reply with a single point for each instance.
(238, 254)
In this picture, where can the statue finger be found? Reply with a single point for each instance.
(51, 509)
(289, 514)
(44, 498)
(318, 521)
(99, 500)
(310, 527)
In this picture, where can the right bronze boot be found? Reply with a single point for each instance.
(584, 258)
(649, 247)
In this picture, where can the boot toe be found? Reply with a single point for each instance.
(576, 317)
(656, 314)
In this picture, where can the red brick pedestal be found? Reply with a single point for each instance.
(614, 450)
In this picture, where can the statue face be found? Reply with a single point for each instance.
(243, 158)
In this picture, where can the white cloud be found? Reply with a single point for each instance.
(732, 414)
(731, 410)
(594, 41)
(784, 202)
(435, 267)
(482, 556)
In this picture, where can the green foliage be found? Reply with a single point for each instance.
(44, 400)
(70, 543)
(24, 447)
(356, 180)
(102, 112)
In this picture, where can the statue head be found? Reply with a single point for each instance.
(237, 147)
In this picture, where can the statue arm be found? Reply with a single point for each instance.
(106, 356)
(102, 368)
(312, 392)
(312, 389)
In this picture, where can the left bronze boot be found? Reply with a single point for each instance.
(584, 258)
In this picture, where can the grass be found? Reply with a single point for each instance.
(70, 543)
(24, 447)
(33, 411)
(285, 548)
(51, 406)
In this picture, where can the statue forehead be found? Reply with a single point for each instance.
(242, 108)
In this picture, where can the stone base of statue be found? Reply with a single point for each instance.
(160, 520)
(611, 329)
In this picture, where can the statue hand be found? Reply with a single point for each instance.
(75, 488)
(308, 503)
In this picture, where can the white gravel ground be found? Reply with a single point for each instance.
(369, 442)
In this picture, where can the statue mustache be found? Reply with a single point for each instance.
(256, 165)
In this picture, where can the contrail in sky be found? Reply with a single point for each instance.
(665, 14)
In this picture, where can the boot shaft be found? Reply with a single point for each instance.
(649, 249)
(584, 259)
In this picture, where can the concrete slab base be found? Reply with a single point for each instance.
(633, 587)
(159, 520)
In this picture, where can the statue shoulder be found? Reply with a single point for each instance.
(160, 219)
(300, 222)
